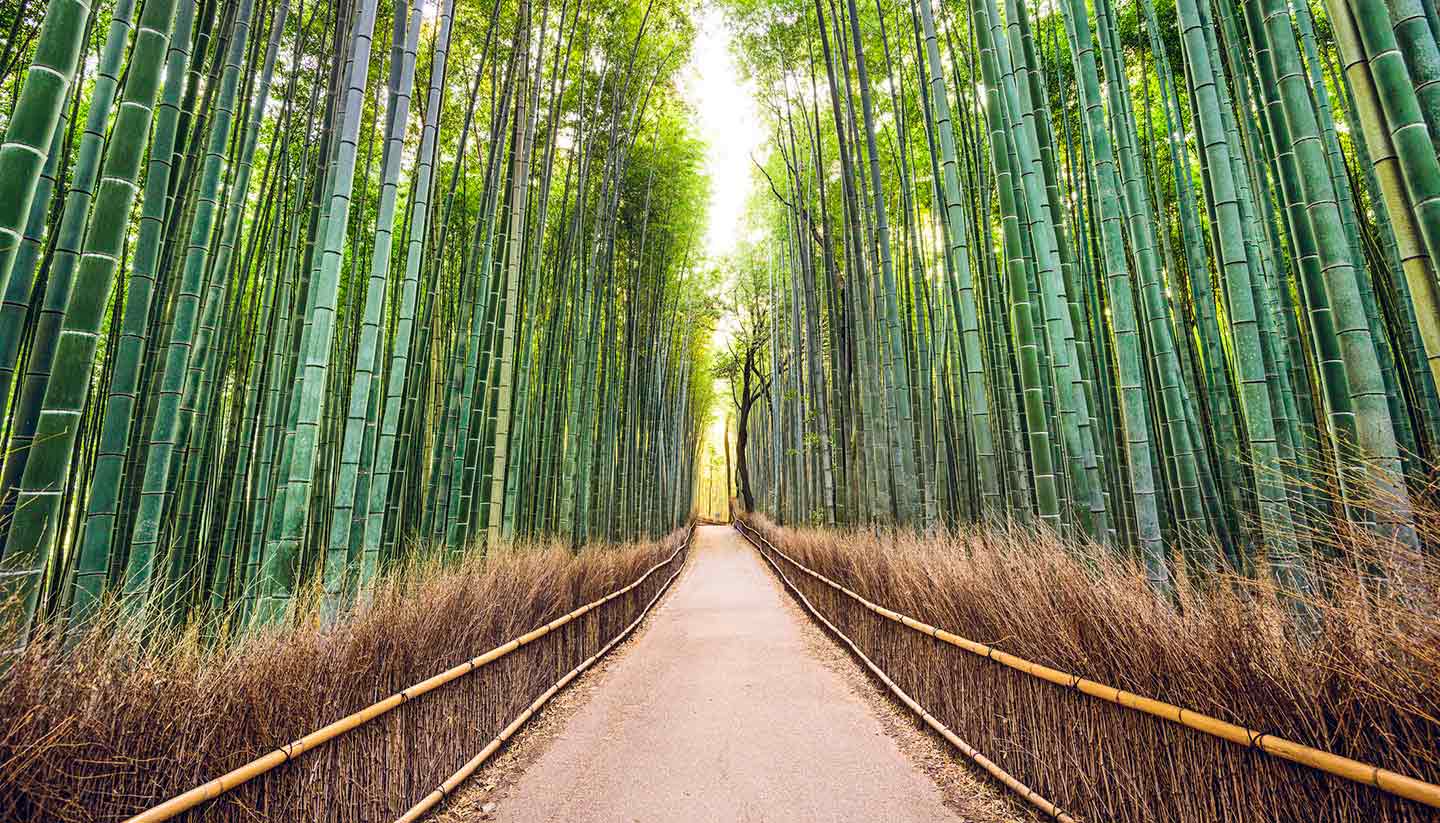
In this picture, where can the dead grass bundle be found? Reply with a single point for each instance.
(1365, 685)
(105, 730)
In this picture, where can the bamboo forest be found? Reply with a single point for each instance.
(326, 325)
(989, 410)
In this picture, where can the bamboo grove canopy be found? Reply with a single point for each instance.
(1161, 273)
(291, 287)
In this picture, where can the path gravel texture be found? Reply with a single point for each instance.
(723, 710)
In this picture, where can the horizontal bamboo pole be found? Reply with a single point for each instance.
(243, 774)
(460, 776)
(969, 751)
(1383, 779)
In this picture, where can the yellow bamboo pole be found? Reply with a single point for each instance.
(1035, 798)
(1383, 779)
(239, 776)
(453, 782)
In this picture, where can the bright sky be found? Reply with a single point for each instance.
(729, 122)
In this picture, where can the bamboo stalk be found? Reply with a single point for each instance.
(260, 765)
(1383, 779)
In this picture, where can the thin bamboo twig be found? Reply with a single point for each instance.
(1383, 779)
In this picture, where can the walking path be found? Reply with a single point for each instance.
(722, 711)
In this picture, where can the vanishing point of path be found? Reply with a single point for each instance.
(723, 711)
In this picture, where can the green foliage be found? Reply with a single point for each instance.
(1160, 277)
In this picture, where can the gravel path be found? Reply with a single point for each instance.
(725, 709)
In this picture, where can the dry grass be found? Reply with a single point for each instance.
(104, 730)
(1365, 685)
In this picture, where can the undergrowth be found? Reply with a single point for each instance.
(111, 726)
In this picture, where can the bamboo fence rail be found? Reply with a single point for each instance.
(995, 770)
(1383, 779)
(213, 789)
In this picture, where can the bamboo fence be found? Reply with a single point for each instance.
(462, 774)
(1031, 796)
(287, 753)
(1385, 780)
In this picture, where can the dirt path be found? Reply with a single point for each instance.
(727, 709)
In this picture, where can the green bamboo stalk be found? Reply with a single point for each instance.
(32, 535)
